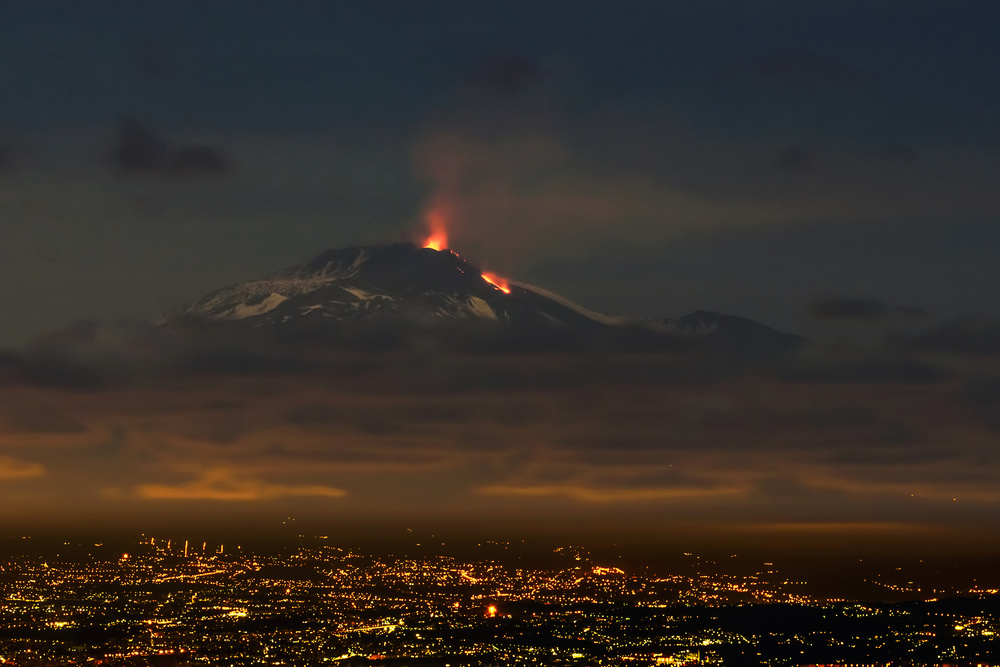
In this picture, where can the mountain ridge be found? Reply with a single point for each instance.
(405, 285)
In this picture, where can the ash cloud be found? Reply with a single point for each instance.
(523, 179)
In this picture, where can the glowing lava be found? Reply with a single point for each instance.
(436, 242)
(436, 218)
(497, 281)
(438, 238)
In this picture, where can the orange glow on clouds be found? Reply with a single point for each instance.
(497, 281)
(437, 238)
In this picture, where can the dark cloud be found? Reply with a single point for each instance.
(378, 421)
(518, 412)
(842, 308)
(783, 488)
(982, 394)
(849, 308)
(219, 429)
(196, 159)
(892, 456)
(910, 312)
(878, 367)
(223, 404)
(981, 390)
(61, 372)
(313, 414)
(620, 442)
(509, 74)
(8, 358)
(826, 418)
(440, 412)
(547, 442)
(972, 335)
(139, 148)
(42, 419)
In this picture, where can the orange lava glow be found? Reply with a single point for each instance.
(497, 281)
(436, 242)
(438, 237)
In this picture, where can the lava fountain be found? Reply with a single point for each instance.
(438, 237)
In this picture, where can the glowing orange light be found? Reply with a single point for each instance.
(497, 281)
(491, 611)
(438, 238)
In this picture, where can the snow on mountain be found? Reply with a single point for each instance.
(404, 283)
(399, 280)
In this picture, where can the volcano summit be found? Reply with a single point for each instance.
(398, 281)
(405, 285)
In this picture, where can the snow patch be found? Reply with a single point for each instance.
(361, 294)
(242, 311)
(480, 308)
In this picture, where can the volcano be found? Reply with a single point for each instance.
(404, 285)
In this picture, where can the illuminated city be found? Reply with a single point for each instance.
(168, 601)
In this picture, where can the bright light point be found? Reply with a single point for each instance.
(497, 281)
(491, 611)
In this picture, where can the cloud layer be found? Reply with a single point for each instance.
(540, 438)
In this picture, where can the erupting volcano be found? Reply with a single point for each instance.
(403, 285)
(498, 282)
(437, 239)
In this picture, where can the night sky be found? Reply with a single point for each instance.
(827, 168)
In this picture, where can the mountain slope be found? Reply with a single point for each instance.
(404, 284)
(399, 280)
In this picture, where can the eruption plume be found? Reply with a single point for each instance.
(436, 218)
(437, 238)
